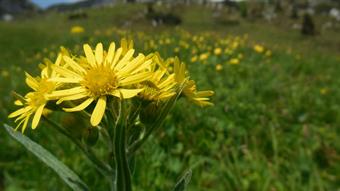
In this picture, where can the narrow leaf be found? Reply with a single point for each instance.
(181, 185)
(66, 174)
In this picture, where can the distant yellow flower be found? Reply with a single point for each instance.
(217, 51)
(77, 29)
(324, 91)
(4, 73)
(99, 75)
(219, 67)
(34, 102)
(234, 61)
(258, 48)
(268, 53)
(235, 44)
(193, 59)
(204, 56)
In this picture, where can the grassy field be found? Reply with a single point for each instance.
(274, 126)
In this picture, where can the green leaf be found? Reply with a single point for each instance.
(181, 185)
(66, 174)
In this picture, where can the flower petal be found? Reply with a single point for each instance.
(80, 106)
(66, 92)
(37, 116)
(111, 52)
(99, 53)
(89, 55)
(126, 93)
(19, 112)
(74, 65)
(98, 111)
(133, 79)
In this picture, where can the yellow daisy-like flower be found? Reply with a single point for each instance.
(234, 61)
(258, 48)
(34, 102)
(77, 30)
(161, 85)
(189, 90)
(99, 75)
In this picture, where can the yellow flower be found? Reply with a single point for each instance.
(160, 86)
(323, 91)
(189, 90)
(219, 67)
(193, 59)
(99, 75)
(4, 73)
(77, 29)
(217, 51)
(258, 48)
(268, 53)
(204, 56)
(34, 102)
(234, 61)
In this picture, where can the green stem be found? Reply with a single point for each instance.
(123, 172)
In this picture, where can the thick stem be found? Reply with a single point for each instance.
(123, 171)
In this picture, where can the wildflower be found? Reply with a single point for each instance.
(219, 67)
(33, 104)
(99, 75)
(324, 91)
(189, 90)
(204, 56)
(77, 29)
(160, 86)
(4, 73)
(234, 61)
(258, 48)
(193, 59)
(217, 51)
(268, 53)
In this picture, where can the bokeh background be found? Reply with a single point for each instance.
(274, 66)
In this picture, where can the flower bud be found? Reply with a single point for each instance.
(149, 113)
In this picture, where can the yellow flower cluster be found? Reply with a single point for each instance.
(75, 83)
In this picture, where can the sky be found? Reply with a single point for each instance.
(46, 3)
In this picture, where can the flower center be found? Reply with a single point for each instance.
(100, 81)
(150, 92)
(38, 98)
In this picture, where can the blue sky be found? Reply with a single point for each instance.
(46, 3)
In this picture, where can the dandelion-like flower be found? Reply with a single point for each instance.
(160, 86)
(189, 90)
(99, 75)
(34, 102)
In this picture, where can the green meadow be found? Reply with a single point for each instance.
(274, 124)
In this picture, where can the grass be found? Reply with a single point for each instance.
(274, 125)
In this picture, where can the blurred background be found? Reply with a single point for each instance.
(273, 64)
